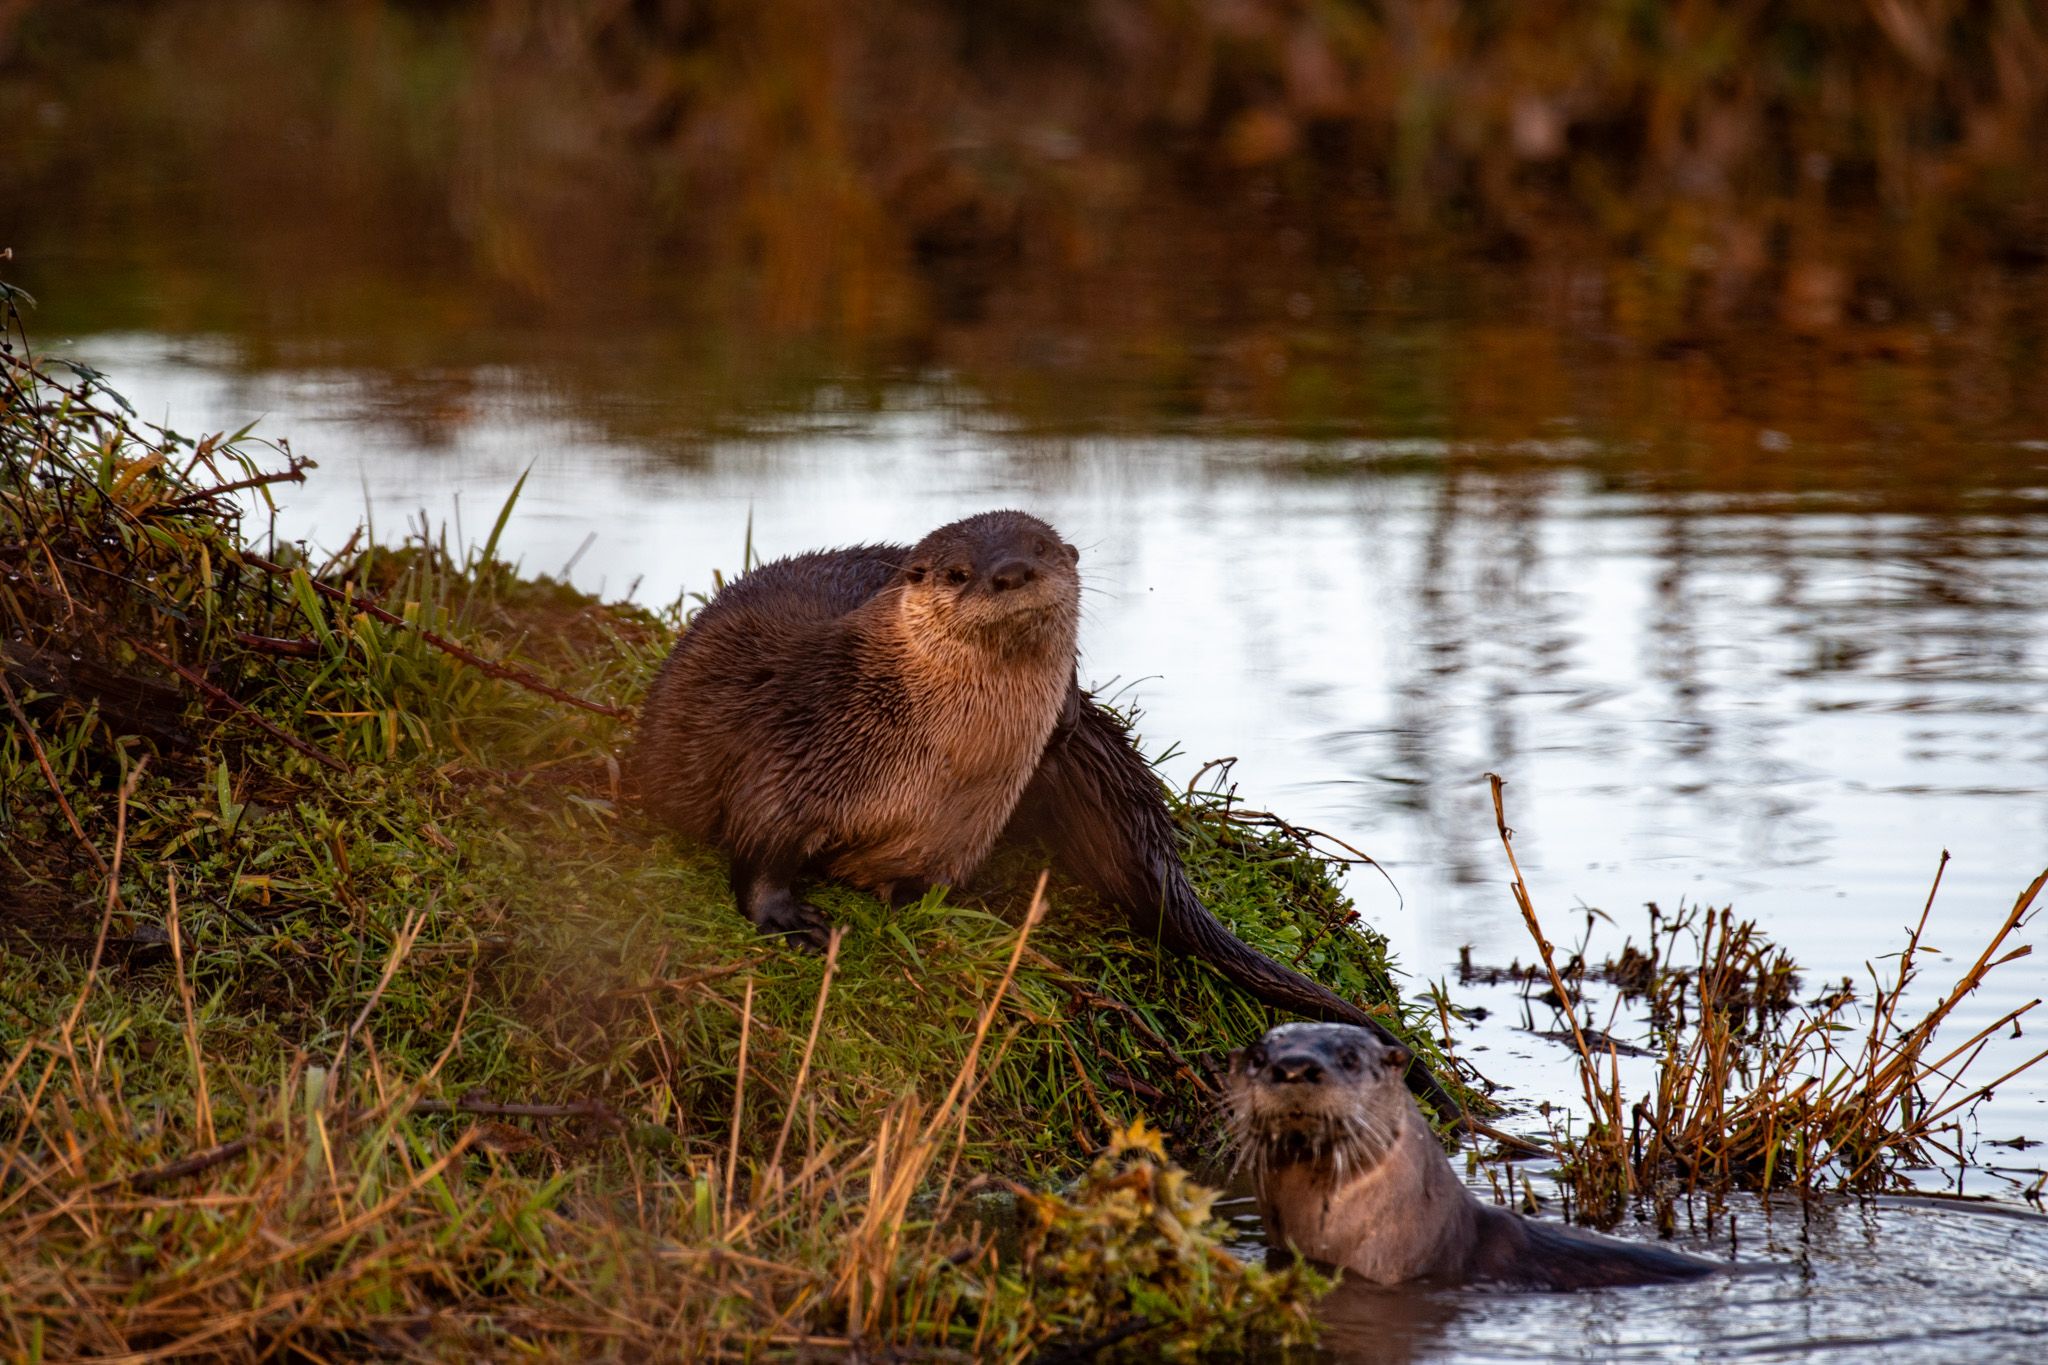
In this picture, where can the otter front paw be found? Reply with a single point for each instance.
(767, 896)
(796, 920)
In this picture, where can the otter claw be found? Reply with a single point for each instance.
(772, 906)
(798, 921)
(812, 932)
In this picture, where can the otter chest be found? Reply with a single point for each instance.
(965, 762)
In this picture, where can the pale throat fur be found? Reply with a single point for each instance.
(981, 699)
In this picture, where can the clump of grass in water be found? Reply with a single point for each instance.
(338, 993)
(1756, 1090)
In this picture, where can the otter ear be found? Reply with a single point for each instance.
(1398, 1057)
(1073, 552)
(916, 572)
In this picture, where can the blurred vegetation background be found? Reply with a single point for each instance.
(954, 177)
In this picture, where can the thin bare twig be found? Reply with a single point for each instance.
(739, 1098)
(202, 1100)
(243, 709)
(129, 781)
(803, 1069)
(295, 473)
(575, 1109)
(271, 644)
(228, 1151)
(400, 946)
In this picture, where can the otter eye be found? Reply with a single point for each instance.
(1350, 1058)
(1039, 547)
(957, 576)
(916, 572)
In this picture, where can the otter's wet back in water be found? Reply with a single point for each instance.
(883, 714)
(1348, 1173)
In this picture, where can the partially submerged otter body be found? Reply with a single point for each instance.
(1349, 1174)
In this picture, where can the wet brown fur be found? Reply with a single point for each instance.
(839, 712)
(882, 715)
(1348, 1174)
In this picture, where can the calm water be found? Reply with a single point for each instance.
(1900, 1280)
(1788, 698)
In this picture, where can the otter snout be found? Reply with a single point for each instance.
(1295, 1068)
(1011, 574)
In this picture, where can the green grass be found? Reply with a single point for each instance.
(278, 867)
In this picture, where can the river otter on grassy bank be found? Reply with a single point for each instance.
(1348, 1173)
(883, 714)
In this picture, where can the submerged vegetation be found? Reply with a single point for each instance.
(344, 1004)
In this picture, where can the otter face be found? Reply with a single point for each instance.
(1003, 579)
(1316, 1092)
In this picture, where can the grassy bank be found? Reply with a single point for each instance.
(346, 1004)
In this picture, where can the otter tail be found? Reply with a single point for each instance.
(1560, 1257)
(1098, 807)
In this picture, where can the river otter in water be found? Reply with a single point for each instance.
(884, 713)
(1348, 1173)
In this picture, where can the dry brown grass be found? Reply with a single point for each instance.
(352, 1217)
(1758, 1090)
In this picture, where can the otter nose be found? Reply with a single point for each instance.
(1011, 573)
(1295, 1066)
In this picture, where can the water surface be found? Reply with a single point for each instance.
(1900, 1279)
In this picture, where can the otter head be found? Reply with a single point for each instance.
(1322, 1093)
(1004, 581)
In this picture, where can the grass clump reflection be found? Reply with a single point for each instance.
(1755, 1089)
(343, 1011)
